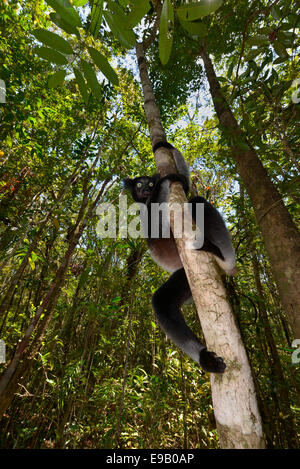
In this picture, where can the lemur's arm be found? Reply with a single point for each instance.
(180, 162)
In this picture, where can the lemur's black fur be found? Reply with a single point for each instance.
(168, 299)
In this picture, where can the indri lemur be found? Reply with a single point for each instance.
(168, 299)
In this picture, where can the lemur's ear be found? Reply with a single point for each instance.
(156, 177)
(127, 183)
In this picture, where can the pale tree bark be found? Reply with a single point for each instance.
(234, 399)
(281, 237)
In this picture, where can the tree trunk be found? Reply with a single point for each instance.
(235, 406)
(280, 234)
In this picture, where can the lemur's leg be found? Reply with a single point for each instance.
(167, 301)
(216, 236)
(180, 162)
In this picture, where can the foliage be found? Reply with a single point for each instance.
(98, 371)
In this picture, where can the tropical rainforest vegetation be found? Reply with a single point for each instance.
(86, 364)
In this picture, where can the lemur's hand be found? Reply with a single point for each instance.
(209, 361)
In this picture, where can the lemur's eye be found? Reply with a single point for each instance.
(151, 184)
(139, 185)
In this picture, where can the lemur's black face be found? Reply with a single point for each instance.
(143, 188)
(140, 187)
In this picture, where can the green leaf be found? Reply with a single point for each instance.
(293, 19)
(103, 64)
(81, 85)
(258, 40)
(51, 55)
(31, 263)
(53, 40)
(280, 49)
(51, 381)
(66, 11)
(125, 36)
(96, 18)
(254, 67)
(265, 30)
(117, 299)
(56, 79)
(295, 408)
(246, 73)
(68, 28)
(80, 3)
(198, 10)
(285, 26)
(280, 60)
(230, 70)
(276, 13)
(277, 89)
(91, 78)
(35, 257)
(166, 30)
(139, 10)
(194, 28)
(116, 9)
(253, 53)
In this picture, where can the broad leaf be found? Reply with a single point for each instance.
(258, 40)
(125, 36)
(53, 40)
(253, 53)
(141, 7)
(68, 28)
(103, 64)
(195, 11)
(66, 11)
(166, 30)
(56, 79)
(96, 18)
(116, 9)
(276, 13)
(280, 60)
(91, 78)
(280, 49)
(51, 55)
(194, 28)
(81, 85)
